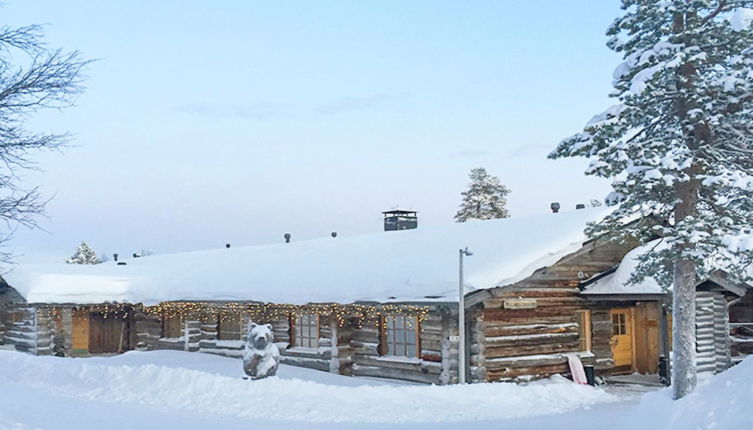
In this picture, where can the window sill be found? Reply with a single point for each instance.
(399, 359)
(303, 350)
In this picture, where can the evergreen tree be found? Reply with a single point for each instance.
(679, 148)
(84, 255)
(486, 198)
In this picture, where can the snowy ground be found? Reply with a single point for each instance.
(154, 389)
(172, 389)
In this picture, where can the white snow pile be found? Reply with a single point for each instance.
(409, 265)
(724, 401)
(117, 383)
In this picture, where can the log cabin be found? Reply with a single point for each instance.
(382, 305)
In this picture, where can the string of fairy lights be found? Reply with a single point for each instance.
(213, 312)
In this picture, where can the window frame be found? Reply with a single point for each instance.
(296, 338)
(390, 347)
(585, 333)
(619, 324)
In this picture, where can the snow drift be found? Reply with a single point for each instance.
(723, 401)
(115, 381)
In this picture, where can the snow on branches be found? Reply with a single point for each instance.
(685, 119)
(679, 149)
(83, 255)
(486, 198)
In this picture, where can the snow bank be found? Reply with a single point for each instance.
(721, 402)
(208, 393)
(409, 265)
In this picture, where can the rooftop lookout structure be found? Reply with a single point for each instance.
(400, 219)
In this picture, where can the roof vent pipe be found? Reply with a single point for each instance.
(555, 207)
(287, 237)
(334, 234)
(227, 245)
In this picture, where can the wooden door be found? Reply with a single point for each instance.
(106, 335)
(622, 337)
(80, 332)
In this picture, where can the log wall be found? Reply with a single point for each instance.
(436, 362)
(525, 329)
(712, 332)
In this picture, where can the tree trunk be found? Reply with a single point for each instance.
(683, 329)
(683, 297)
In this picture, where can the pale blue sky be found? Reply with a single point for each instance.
(208, 122)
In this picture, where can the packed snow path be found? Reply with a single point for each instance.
(151, 389)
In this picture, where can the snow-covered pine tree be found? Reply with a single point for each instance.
(84, 255)
(486, 198)
(679, 147)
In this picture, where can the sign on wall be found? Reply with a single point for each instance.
(519, 304)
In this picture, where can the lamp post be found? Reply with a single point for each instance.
(461, 317)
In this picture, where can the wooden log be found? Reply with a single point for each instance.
(381, 372)
(525, 361)
(532, 292)
(534, 372)
(508, 317)
(508, 330)
(390, 363)
(311, 363)
(531, 339)
(513, 351)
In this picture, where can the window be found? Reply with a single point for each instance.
(400, 336)
(584, 329)
(619, 324)
(306, 330)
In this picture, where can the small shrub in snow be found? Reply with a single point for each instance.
(486, 198)
(84, 255)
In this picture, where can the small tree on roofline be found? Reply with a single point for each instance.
(679, 148)
(84, 255)
(486, 198)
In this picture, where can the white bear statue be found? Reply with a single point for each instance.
(260, 354)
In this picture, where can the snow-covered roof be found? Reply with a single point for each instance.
(616, 283)
(397, 266)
